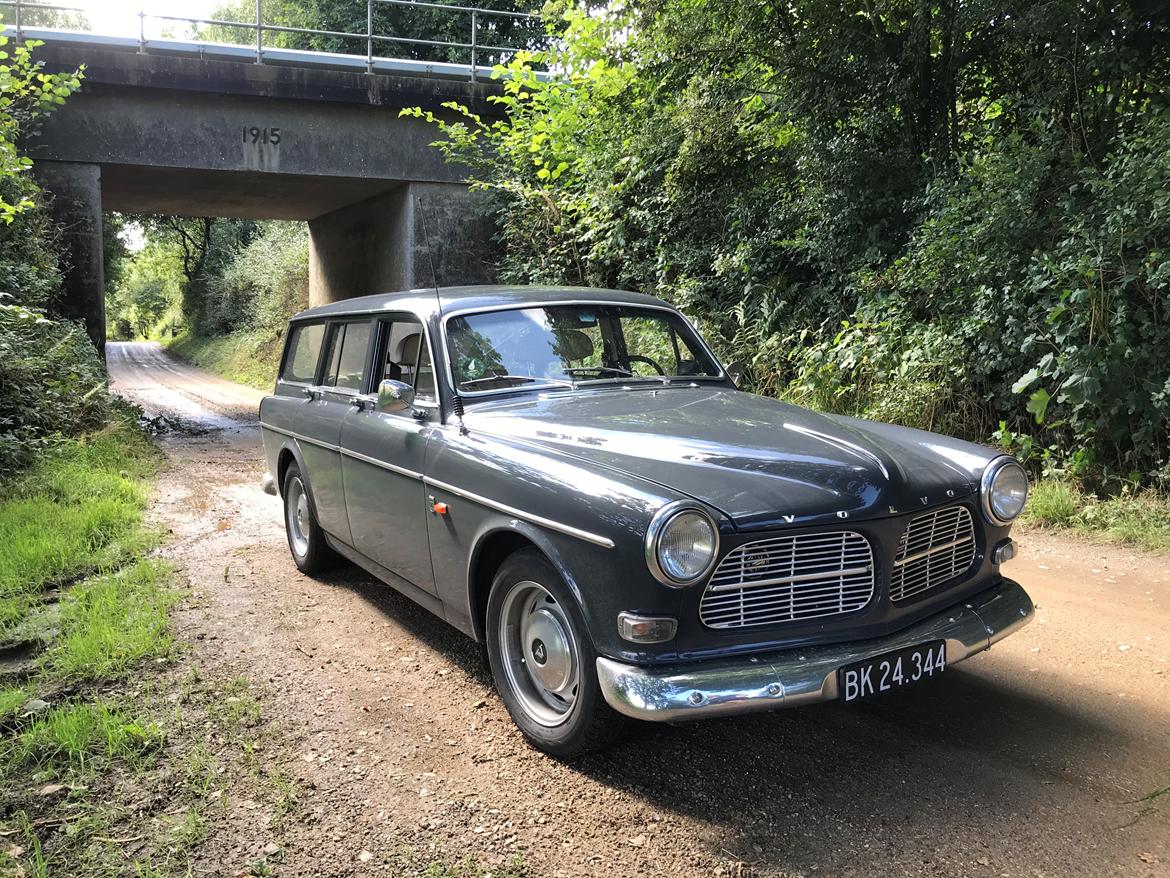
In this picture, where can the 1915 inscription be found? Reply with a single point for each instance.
(253, 134)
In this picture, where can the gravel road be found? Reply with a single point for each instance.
(1031, 760)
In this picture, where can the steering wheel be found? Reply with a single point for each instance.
(634, 358)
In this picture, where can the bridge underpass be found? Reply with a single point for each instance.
(194, 136)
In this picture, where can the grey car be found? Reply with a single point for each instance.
(570, 477)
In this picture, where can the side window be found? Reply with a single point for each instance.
(348, 344)
(407, 358)
(304, 346)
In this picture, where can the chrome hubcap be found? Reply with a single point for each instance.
(539, 651)
(297, 516)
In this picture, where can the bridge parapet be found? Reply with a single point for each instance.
(187, 133)
(27, 24)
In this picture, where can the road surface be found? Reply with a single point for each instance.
(1042, 757)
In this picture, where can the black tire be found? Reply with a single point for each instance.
(588, 723)
(306, 540)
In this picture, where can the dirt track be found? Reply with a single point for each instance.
(1029, 760)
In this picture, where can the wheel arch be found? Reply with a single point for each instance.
(492, 549)
(289, 454)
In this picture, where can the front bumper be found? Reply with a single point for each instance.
(801, 676)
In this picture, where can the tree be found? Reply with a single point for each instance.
(948, 214)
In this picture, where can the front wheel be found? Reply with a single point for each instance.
(543, 662)
(306, 540)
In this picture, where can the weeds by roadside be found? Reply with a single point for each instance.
(102, 767)
(245, 356)
(1141, 519)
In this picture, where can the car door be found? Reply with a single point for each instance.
(382, 457)
(340, 382)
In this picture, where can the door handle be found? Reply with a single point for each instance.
(309, 393)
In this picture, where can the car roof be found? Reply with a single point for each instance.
(425, 302)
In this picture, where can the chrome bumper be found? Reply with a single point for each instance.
(801, 676)
(268, 484)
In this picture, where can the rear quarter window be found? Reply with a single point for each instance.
(304, 350)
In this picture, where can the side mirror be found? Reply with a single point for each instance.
(737, 372)
(394, 396)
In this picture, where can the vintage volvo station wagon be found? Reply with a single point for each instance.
(571, 477)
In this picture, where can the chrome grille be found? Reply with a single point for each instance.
(789, 578)
(935, 548)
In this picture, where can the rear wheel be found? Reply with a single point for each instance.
(543, 662)
(306, 540)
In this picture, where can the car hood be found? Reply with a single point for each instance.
(762, 462)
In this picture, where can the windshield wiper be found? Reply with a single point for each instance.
(625, 373)
(520, 379)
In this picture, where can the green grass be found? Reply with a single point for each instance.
(112, 623)
(1141, 519)
(77, 511)
(82, 736)
(244, 357)
(12, 698)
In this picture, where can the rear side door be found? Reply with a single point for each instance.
(337, 391)
(383, 453)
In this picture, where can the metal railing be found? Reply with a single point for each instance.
(370, 37)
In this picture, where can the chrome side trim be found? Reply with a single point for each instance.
(301, 438)
(596, 539)
(373, 461)
(800, 676)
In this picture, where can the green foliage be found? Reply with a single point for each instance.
(1138, 518)
(27, 95)
(90, 491)
(404, 23)
(945, 215)
(82, 737)
(147, 297)
(1054, 502)
(54, 383)
(261, 283)
(244, 356)
(111, 623)
(247, 303)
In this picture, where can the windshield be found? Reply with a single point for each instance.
(571, 344)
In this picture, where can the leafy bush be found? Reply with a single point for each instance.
(54, 383)
(263, 283)
(951, 216)
(247, 303)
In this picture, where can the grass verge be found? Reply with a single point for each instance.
(1141, 520)
(77, 511)
(244, 357)
(74, 583)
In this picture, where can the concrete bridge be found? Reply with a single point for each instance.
(212, 133)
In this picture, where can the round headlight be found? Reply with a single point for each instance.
(681, 544)
(1005, 490)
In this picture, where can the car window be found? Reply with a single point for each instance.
(407, 358)
(348, 345)
(556, 344)
(304, 347)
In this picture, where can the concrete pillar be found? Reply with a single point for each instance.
(418, 235)
(76, 207)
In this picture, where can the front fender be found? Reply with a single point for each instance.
(500, 530)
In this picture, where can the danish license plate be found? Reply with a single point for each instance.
(891, 670)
